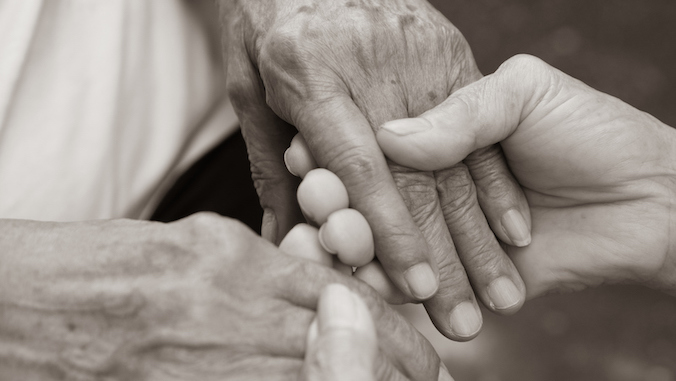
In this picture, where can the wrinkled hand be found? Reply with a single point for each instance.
(336, 70)
(202, 298)
(599, 175)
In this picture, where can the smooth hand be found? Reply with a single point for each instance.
(335, 71)
(599, 175)
(203, 298)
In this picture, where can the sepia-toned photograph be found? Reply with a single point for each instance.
(337, 190)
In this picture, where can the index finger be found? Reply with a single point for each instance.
(342, 140)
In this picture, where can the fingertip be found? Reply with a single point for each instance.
(504, 296)
(347, 234)
(395, 141)
(324, 240)
(298, 157)
(466, 320)
(340, 308)
(516, 228)
(422, 281)
(287, 163)
(302, 241)
(321, 193)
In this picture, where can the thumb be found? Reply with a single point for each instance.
(481, 114)
(342, 345)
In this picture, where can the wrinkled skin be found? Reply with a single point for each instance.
(600, 176)
(336, 70)
(203, 298)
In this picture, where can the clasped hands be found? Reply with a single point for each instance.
(334, 71)
(600, 193)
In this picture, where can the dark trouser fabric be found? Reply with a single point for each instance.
(218, 182)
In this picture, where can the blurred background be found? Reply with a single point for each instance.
(623, 47)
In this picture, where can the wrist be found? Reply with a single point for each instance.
(666, 277)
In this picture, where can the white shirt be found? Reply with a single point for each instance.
(103, 103)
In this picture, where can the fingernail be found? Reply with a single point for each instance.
(337, 308)
(403, 127)
(516, 228)
(443, 373)
(421, 281)
(286, 162)
(322, 240)
(503, 294)
(465, 320)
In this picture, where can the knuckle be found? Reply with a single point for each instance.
(418, 189)
(453, 279)
(397, 237)
(496, 189)
(529, 74)
(483, 260)
(356, 165)
(524, 64)
(486, 161)
(457, 192)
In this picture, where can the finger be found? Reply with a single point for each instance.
(346, 146)
(500, 196)
(303, 242)
(483, 113)
(267, 137)
(320, 194)
(298, 158)
(454, 309)
(375, 276)
(493, 275)
(347, 234)
(405, 349)
(344, 346)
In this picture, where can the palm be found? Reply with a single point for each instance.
(598, 213)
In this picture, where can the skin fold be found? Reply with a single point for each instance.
(202, 298)
(336, 70)
(599, 175)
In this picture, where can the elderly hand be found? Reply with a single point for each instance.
(203, 298)
(599, 175)
(342, 344)
(338, 69)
